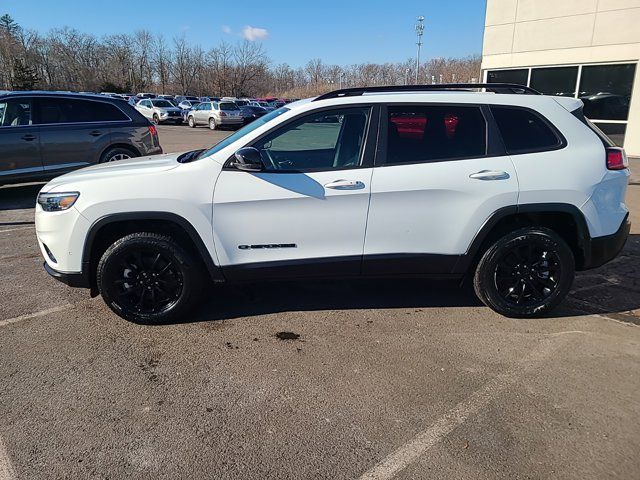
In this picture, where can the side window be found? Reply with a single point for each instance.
(327, 140)
(15, 112)
(524, 131)
(66, 110)
(434, 133)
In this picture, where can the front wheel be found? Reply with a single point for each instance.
(192, 122)
(526, 273)
(156, 118)
(148, 278)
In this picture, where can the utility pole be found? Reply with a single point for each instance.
(419, 32)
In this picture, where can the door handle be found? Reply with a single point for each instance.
(345, 185)
(95, 133)
(489, 175)
(28, 137)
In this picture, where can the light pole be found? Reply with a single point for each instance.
(419, 32)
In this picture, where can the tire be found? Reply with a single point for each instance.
(526, 273)
(117, 153)
(212, 124)
(192, 122)
(148, 278)
(156, 119)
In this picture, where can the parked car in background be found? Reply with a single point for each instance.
(215, 115)
(250, 113)
(181, 98)
(186, 106)
(166, 97)
(146, 95)
(241, 102)
(159, 111)
(45, 134)
(259, 103)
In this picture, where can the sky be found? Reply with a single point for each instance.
(337, 31)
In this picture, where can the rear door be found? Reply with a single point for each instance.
(19, 140)
(440, 174)
(74, 132)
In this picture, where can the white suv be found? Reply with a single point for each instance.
(511, 188)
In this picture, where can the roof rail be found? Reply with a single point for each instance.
(490, 87)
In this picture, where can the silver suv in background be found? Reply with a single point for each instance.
(159, 110)
(215, 115)
(45, 134)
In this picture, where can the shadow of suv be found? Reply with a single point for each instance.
(46, 134)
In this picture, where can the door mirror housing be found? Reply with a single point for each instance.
(248, 159)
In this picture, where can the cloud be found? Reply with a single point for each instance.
(226, 29)
(253, 33)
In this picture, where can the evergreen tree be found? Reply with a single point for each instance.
(25, 76)
(8, 24)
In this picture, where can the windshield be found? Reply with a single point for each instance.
(162, 103)
(243, 131)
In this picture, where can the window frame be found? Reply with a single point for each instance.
(493, 143)
(368, 148)
(36, 115)
(562, 141)
(31, 109)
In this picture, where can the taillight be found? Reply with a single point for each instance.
(153, 131)
(222, 114)
(616, 158)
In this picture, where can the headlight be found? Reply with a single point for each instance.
(56, 202)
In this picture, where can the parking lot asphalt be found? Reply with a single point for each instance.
(343, 379)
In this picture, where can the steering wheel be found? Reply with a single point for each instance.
(272, 163)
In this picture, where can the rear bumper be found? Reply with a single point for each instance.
(601, 250)
(78, 280)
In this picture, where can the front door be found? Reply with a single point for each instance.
(437, 180)
(19, 140)
(305, 214)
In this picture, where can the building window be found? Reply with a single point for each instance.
(508, 76)
(555, 80)
(604, 89)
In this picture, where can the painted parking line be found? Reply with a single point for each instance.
(41, 313)
(7, 471)
(17, 229)
(411, 451)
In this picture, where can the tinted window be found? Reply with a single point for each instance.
(434, 133)
(524, 131)
(555, 81)
(16, 112)
(66, 110)
(508, 76)
(606, 91)
(228, 106)
(321, 141)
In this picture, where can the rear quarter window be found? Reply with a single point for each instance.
(524, 131)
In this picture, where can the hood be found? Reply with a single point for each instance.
(131, 166)
(167, 109)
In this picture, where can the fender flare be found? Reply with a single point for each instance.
(214, 270)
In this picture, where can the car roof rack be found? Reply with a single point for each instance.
(490, 87)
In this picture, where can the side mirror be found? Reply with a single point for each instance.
(248, 160)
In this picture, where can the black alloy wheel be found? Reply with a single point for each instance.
(149, 278)
(526, 273)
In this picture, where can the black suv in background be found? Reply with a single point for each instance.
(46, 134)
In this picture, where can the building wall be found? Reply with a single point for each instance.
(527, 33)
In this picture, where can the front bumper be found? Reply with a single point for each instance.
(600, 250)
(78, 280)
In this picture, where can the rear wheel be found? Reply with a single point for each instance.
(148, 278)
(212, 124)
(116, 153)
(526, 273)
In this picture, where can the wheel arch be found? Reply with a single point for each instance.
(565, 219)
(127, 146)
(104, 231)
